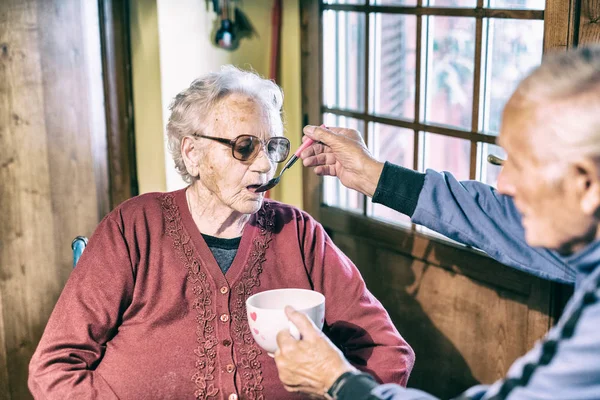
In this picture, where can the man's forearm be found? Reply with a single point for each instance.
(399, 188)
(471, 213)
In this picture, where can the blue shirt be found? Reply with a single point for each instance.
(566, 363)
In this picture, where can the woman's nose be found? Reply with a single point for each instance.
(262, 162)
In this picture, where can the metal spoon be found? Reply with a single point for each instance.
(287, 165)
(495, 160)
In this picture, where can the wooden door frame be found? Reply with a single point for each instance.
(118, 95)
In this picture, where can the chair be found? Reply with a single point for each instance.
(78, 245)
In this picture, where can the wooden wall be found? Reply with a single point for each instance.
(466, 316)
(589, 22)
(52, 159)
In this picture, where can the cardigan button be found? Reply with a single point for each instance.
(226, 342)
(224, 290)
(233, 396)
(224, 317)
(230, 368)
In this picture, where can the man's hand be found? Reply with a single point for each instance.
(309, 365)
(342, 152)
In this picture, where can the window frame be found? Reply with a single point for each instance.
(559, 19)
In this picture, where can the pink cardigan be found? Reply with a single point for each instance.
(148, 314)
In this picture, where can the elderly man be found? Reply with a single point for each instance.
(549, 190)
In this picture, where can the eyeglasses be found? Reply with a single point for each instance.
(247, 147)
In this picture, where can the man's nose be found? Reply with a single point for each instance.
(505, 185)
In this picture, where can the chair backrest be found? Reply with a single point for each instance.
(78, 245)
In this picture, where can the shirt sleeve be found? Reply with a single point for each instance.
(471, 213)
(84, 319)
(354, 319)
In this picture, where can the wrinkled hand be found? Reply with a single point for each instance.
(342, 152)
(309, 365)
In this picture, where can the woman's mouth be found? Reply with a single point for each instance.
(252, 188)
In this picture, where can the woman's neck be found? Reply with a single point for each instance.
(213, 217)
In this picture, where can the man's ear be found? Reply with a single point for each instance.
(190, 152)
(587, 185)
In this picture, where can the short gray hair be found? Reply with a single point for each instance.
(570, 81)
(191, 109)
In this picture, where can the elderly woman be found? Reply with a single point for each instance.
(156, 306)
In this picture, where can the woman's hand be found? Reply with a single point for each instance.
(342, 152)
(309, 365)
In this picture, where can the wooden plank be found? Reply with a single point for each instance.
(560, 295)
(27, 230)
(442, 130)
(463, 331)
(540, 317)
(477, 74)
(116, 63)
(477, 12)
(97, 118)
(7, 161)
(63, 49)
(589, 22)
(4, 382)
(419, 84)
(558, 27)
(367, 88)
(48, 166)
(312, 92)
(455, 258)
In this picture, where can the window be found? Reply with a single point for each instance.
(425, 82)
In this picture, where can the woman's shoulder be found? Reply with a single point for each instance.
(287, 213)
(147, 204)
(283, 208)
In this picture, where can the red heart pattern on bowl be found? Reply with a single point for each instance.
(270, 304)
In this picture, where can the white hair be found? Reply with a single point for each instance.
(567, 84)
(191, 109)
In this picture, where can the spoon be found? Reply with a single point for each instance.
(495, 160)
(287, 165)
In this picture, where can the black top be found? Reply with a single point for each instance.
(394, 180)
(224, 250)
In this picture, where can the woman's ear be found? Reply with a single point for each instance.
(191, 156)
(587, 185)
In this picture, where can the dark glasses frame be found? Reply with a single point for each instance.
(232, 142)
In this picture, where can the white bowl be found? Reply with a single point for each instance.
(266, 315)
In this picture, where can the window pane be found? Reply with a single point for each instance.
(488, 173)
(445, 153)
(394, 2)
(450, 63)
(515, 47)
(393, 144)
(518, 4)
(344, 39)
(334, 193)
(392, 65)
(451, 3)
